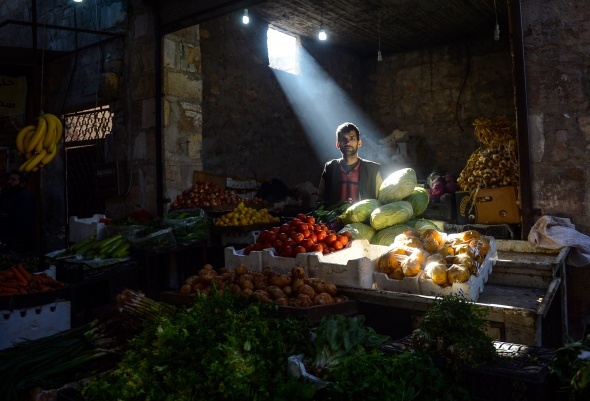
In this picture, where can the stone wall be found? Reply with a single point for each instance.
(557, 44)
(182, 114)
(435, 95)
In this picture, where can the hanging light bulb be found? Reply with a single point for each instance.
(322, 35)
(497, 28)
(245, 18)
(379, 58)
(78, 1)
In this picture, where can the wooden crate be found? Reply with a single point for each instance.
(218, 179)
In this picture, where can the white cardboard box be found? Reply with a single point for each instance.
(82, 228)
(235, 257)
(33, 323)
(408, 285)
(471, 289)
(349, 267)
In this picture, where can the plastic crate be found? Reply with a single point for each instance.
(74, 270)
(519, 373)
(498, 231)
(82, 228)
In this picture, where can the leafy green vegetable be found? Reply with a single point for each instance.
(359, 231)
(419, 199)
(397, 185)
(390, 214)
(454, 330)
(571, 365)
(387, 376)
(359, 212)
(337, 337)
(223, 347)
(387, 235)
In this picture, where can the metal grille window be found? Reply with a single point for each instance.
(88, 125)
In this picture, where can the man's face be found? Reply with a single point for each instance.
(348, 143)
(13, 181)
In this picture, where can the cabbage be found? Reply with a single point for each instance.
(419, 199)
(360, 211)
(359, 231)
(391, 214)
(387, 235)
(398, 185)
(424, 224)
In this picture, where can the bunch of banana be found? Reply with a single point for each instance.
(39, 142)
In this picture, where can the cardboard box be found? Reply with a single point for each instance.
(497, 206)
(33, 323)
(82, 228)
(217, 179)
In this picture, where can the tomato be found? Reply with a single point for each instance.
(342, 239)
(310, 220)
(286, 251)
(330, 239)
(285, 227)
(321, 235)
(248, 249)
(300, 227)
(347, 234)
(294, 223)
(258, 246)
(337, 245)
(326, 251)
(297, 237)
(318, 248)
(299, 249)
(301, 216)
(313, 238)
(277, 244)
(307, 244)
(306, 233)
(274, 229)
(289, 242)
(266, 245)
(282, 236)
(317, 227)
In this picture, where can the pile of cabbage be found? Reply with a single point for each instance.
(396, 209)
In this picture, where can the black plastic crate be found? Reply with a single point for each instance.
(440, 211)
(520, 373)
(72, 271)
(498, 231)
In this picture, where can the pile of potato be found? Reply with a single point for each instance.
(290, 289)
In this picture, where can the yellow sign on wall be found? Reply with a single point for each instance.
(13, 95)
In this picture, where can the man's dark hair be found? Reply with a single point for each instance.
(347, 127)
(22, 175)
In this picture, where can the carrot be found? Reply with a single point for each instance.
(8, 291)
(25, 273)
(21, 290)
(18, 275)
(43, 288)
(10, 284)
(7, 273)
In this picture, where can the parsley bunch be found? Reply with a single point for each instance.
(222, 348)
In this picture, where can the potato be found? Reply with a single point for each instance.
(303, 301)
(236, 289)
(323, 298)
(241, 269)
(246, 293)
(280, 281)
(245, 277)
(191, 280)
(261, 296)
(296, 283)
(298, 272)
(207, 266)
(341, 298)
(247, 285)
(287, 290)
(259, 281)
(307, 290)
(185, 289)
(206, 275)
(199, 285)
(282, 301)
(275, 292)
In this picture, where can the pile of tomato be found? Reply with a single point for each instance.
(301, 234)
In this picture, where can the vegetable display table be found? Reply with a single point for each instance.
(525, 297)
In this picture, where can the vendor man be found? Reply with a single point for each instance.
(349, 178)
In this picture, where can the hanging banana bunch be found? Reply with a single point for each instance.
(39, 142)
